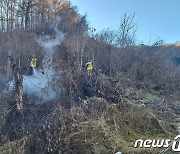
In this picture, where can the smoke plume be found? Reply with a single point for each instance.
(41, 85)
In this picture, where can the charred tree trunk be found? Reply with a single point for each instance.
(110, 61)
(8, 67)
(19, 91)
(18, 80)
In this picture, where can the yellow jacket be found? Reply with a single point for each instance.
(33, 63)
(89, 65)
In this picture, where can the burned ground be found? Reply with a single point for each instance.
(133, 92)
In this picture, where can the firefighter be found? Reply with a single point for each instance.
(33, 63)
(89, 66)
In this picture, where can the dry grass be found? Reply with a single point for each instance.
(95, 127)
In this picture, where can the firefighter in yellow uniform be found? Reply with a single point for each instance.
(89, 66)
(33, 63)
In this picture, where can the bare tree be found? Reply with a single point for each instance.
(127, 31)
(109, 37)
(28, 14)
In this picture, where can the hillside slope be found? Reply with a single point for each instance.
(59, 107)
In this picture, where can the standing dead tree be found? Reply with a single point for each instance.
(109, 37)
(18, 82)
(127, 31)
(19, 91)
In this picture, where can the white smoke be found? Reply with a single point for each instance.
(39, 85)
(49, 43)
(42, 83)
